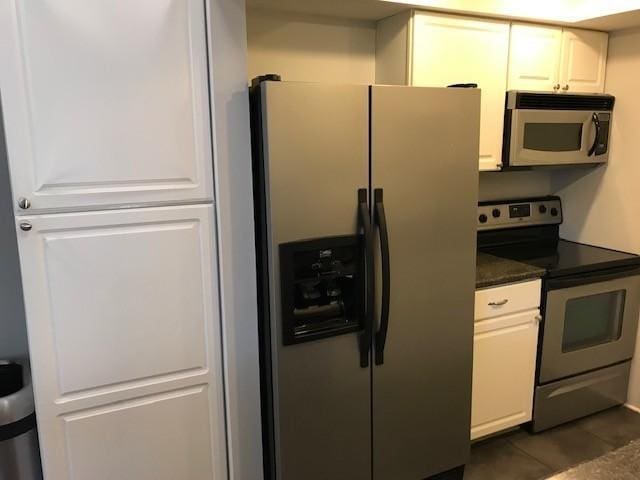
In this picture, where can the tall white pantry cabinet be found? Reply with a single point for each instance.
(107, 123)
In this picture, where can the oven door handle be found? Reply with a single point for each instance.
(596, 122)
(584, 279)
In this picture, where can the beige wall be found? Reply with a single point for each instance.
(602, 206)
(514, 185)
(323, 49)
(310, 48)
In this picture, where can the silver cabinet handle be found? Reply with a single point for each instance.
(500, 303)
(565, 88)
(24, 203)
(25, 226)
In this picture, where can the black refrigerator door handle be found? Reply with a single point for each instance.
(365, 336)
(596, 122)
(381, 221)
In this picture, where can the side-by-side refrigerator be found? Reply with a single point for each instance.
(366, 200)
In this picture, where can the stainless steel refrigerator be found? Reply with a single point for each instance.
(366, 199)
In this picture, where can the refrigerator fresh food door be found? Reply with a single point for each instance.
(315, 160)
(424, 151)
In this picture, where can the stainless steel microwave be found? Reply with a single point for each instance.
(550, 129)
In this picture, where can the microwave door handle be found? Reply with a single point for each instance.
(596, 122)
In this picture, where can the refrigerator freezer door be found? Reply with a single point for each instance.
(315, 158)
(424, 150)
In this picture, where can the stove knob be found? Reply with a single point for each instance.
(554, 212)
(495, 213)
(483, 218)
(542, 209)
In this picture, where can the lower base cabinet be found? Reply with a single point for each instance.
(504, 363)
(124, 332)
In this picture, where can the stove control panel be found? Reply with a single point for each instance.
(519, 213)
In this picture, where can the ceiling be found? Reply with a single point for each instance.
(605, 15)
(362, 9)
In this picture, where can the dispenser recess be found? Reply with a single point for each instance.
(322, 287)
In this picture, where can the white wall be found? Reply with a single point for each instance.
(602, 206)
(13, 330)
(310, 48)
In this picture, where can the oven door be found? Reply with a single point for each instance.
(558, 137)
(590, 322)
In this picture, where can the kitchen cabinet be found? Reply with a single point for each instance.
(504, 358)
(125, 342)
(583, 60)
(557, 59)
(105, 106)
(534, 57)
(441, 50)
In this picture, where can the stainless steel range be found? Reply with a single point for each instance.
(590, 302)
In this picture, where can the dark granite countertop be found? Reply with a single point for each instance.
(492, 270)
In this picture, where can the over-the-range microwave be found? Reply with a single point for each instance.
(551, 129)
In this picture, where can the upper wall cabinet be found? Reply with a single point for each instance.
(583, 60)
(434, 50)
(105, 106)
(534, 57)
(556, 59)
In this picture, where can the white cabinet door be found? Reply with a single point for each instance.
(448, 49)
(534, 57)
(583, 61)
(504, 363)
(123, 323)
(104, 102)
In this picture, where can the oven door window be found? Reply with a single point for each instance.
(553, 137)
(593, 320)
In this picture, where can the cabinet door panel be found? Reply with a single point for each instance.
(449, 49)
(534, 57)
(105, 102)
(584, 56)
(154, 272)
(121, 305)
(504, 361)
(166, 437)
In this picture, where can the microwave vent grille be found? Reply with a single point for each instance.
(555, 101)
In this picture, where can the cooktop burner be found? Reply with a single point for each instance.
(527, 231)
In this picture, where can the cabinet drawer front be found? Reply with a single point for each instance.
(517, 297)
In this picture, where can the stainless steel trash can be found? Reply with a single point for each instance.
(19, 452)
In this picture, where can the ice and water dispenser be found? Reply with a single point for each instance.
(322, 287)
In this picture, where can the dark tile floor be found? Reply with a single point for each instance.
(518, 455)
